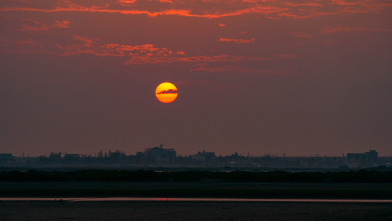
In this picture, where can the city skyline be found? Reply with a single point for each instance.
(107, 151)
(168, 158)
(298, 77)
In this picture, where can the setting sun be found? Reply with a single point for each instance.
(166, 92)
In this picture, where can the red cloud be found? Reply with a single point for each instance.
(225, 68)
(213, 9)
(343, 2)
(36, 26)
(329, 30)
(137, 54)
(126, 2)
(62, 24)
(200, 83)
(302, 35)
(237, 41)
(149, 59)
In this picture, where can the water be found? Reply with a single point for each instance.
(152, 199)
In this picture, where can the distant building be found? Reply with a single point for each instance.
(204, 156)
(362, 160)
(371, 155)
(6, 156)
(55, 155)
(6, 159)
(160, 156)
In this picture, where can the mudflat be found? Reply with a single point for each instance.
(50, 210)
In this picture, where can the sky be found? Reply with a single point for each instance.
(299, 77)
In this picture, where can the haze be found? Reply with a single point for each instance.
(293, 77)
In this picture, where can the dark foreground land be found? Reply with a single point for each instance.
(198, 189)
(237, 184)
(196, 184)
(193, 211)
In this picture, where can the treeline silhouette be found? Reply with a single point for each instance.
(195, 176)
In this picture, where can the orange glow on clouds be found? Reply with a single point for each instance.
(166, 92)
(207, 9)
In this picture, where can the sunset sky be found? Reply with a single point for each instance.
(298, 77)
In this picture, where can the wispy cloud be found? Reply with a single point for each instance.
(199, 83)
(224, 68)
(301, 35)
(170, 91)
(135, 54)
(237, 41)
(148, 59)
(126, 2)
(329, 30)
(209, 9)
(62, 24)
(36, 26)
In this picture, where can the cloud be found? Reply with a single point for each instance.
(126, 2)
(343, 2)
(151, 59)
(136, 54)
(302, 35)
(37, 26)
(200, 83)
(34, 26)
(329, 30)
(207, 9)
(238, 68)
(237, 41)
(62, 24)
(170, 91)
(224, 68)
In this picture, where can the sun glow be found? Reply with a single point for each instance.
(166, 92)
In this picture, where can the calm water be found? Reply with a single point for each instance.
(151, 199)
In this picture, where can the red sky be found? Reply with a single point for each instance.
(298, 77)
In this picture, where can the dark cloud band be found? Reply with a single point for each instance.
(170, 91)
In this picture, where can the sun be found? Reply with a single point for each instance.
(166, 92)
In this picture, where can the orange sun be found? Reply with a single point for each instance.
(166, 92)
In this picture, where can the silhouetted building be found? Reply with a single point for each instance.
(6, 156)
(160, 156)
(55, 155)
(371, 155)
(204, 156)
(362, 160)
